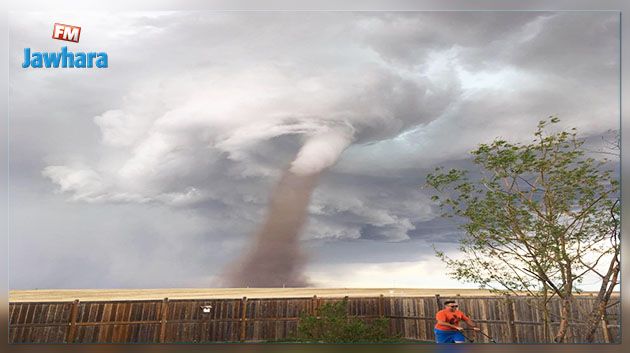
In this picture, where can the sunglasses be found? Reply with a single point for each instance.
(453, 306)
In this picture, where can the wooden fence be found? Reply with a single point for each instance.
(507, 319)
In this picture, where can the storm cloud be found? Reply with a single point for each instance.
(199, 113)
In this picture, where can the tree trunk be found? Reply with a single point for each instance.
(609, 282)
(545, 310)
(594, 320)
(565, 310)
(546, 330)
(598, 313)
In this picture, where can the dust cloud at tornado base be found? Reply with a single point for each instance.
(275, 258)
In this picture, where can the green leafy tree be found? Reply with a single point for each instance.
(539, 218)
(332, 324)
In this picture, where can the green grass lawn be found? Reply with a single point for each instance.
(393, 341)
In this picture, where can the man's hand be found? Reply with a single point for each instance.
(458, 328)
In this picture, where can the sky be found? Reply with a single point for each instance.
(156, 171)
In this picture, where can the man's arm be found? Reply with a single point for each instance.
(471, 324)
(449, 325)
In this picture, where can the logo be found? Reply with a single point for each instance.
(64, 58)
(66, 32)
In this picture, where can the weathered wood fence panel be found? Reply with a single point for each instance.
(38, 322)
(507, 319)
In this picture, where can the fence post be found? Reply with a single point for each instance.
(313, 305)
(381, 304)
(509, 305)
(163, 317)
(243, 318)
(72, 325)
(345, 298)
(605, 330)
(438, 301)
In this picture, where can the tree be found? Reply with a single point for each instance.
(332, 324)
(539, 218)
(609, 277)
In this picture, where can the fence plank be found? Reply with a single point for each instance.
(163, 321)
(605, 331)
(72, 325)
(313, 305)
(510, 320)
(381, 305)
(243, 318)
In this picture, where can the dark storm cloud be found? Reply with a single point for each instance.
(435, 31)
(465, 78)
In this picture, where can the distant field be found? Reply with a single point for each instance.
(225, 293)
(200, 293)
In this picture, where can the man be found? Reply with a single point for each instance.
(447, 329)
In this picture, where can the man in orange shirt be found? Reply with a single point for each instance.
(447, 329)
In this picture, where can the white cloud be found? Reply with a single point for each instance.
(174, 136)
(427, 273)
(83, 184)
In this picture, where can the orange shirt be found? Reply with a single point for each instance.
(451, 317)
